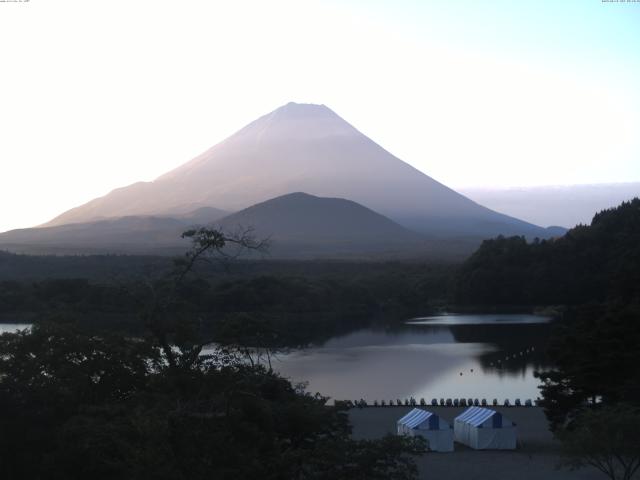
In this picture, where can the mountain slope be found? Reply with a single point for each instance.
(133, 234)
(298, 226)
(309, 148)
(301, 221)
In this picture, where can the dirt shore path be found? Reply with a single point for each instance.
(536, 458)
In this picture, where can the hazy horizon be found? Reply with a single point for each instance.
(541, 204)
(473, 94)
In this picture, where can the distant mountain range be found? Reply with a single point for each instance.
(124, 235)
(298, 225)
(376, 201)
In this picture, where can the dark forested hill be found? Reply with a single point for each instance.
(300, 225)
(597, 262)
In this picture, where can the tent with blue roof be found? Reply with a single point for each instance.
(483, 428)
(428, 425)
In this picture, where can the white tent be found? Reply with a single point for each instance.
(482, 428)
(428, 425)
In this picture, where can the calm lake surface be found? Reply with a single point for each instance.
(464, 356)
(13, 327)
(445, 356)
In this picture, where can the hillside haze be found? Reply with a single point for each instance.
(304, 148)
(136, 234)
(297, 225)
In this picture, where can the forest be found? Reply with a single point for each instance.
(590, 263)
(120, 371)
(155, 398)
(592, 275)
(303, 304)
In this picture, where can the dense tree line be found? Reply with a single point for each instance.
(305, 307)
(596, 357)
(592, 395)
(594, 263)
(101, 267)
(106, 268)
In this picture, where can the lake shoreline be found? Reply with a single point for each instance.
(537, 456)
(555, 311)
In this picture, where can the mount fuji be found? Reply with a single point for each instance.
(296, 148)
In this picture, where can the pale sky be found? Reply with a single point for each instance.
(99, 94)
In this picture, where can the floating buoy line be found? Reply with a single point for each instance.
(449, 402)
(498, 363)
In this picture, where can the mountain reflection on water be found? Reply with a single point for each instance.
(487, 356)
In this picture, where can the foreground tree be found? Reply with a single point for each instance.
(607, 439)
(77, 404)
(163, 301)
(49, 375)
(592, 396)
(595, 353)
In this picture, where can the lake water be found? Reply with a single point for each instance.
(463, 356)
(445, 356)
(13, 327)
